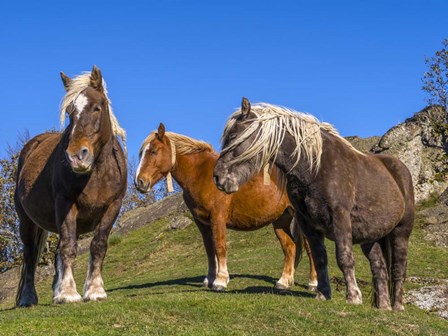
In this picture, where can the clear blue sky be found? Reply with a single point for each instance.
(355, 64)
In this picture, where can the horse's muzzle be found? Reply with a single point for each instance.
(225, 185)
(80, 162)
(142, 186)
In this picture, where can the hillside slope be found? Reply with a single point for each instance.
(153, 275)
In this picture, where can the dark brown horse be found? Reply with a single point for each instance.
(256, 205)
(337, 191)
(71, 183)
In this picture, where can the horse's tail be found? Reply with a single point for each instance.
(299, 239)
(40, 239)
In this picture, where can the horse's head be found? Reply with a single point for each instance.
(234, 167)
(90, 123)
(156, 160)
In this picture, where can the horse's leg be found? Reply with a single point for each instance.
(32, 237)
(64, 286)
(283, 233)
(301, 241)
(218, 225)
(399, 238)
(94, 285)
(312, 283)
(317, 246)
(379, 271)
(207, 238)
(344, 254)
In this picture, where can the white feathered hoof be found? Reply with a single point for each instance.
(95, 294)
(218, 288)
(219, 285)
(67, 297)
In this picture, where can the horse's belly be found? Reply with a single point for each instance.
(368, 226)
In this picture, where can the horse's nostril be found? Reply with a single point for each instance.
(142, 185)
(83, 153)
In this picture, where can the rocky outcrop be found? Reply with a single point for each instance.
(421, 143)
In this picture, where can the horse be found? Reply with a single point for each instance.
(71, 182)
(337, 191)
(256, 205)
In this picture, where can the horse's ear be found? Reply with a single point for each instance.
(66, 80)
(161, 132)
(245, 107)
(96, 78)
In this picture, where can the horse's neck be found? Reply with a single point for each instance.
(189, 168)
(301, 173)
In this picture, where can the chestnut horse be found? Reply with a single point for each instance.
(71, 183)
(339, 192)
(256, 205)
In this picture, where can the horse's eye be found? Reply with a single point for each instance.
(153, 152)
(232, 136)
(97, 108)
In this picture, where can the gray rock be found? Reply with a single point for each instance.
(179, 222)
(431, 298)
(421, 143)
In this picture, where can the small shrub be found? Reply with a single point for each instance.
(115, 239)
(428, 202)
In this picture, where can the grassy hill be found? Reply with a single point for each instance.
(153, 277)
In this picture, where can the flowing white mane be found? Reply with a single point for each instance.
(77, 86)
(270, 125)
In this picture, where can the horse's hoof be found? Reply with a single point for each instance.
(67, 298)
(312, 285)
(398, 307)
(385, 307)
(27, 302)
(98, 294)
(356, 300)
(280, 287)
(24, 304)
(322, 297)
(218, 288)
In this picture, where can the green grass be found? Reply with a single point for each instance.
(153, 278)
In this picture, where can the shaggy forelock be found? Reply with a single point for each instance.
(76, 87)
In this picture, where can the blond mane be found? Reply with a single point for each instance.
(276, 121)
(76, 87)
(184, 144)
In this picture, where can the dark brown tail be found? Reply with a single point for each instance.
(299, 239)
(39, 242)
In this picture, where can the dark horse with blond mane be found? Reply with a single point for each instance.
(337, 191)
(256, 205)
(71, 183)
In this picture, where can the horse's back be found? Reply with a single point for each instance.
(33, 184)
(401, 175)
(34, 145)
